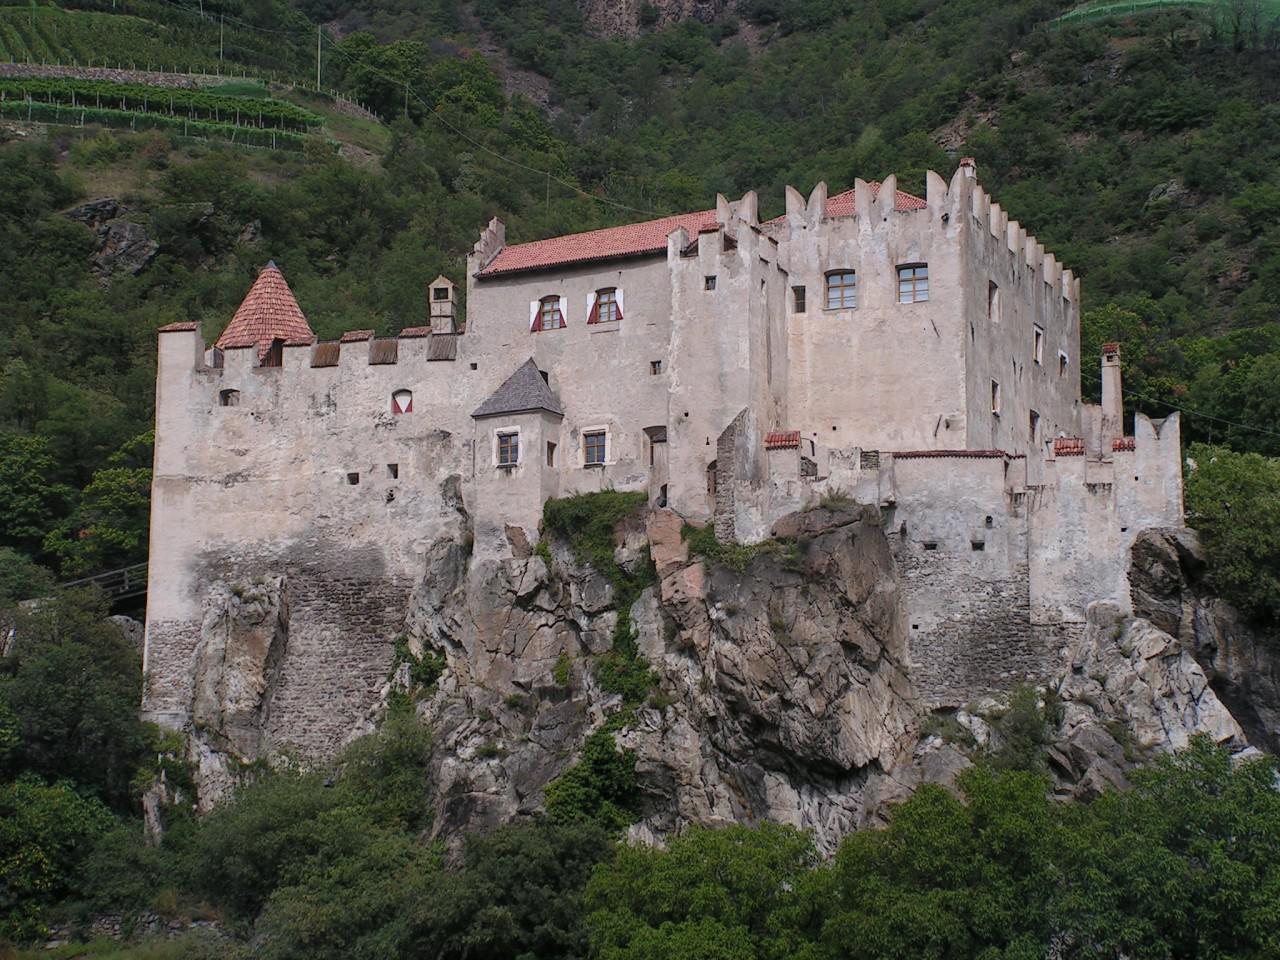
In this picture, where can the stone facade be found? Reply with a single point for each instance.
(339, 468)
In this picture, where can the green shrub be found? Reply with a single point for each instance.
(736, 556)
(1024, 728)
(560, 673)
(601, 787)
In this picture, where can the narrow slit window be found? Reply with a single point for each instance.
(1037, 345)
(1033, 423)
(842, 290)
(1062, 364)
(797, 299)
(995, 398)
(993, 302)
(551, 454)
(508, 449)
(913, 283)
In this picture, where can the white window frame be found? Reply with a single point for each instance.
(503, 432)
(608, 446)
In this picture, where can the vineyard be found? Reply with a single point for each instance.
(170, 103)
(175, 40)
(1106, 9)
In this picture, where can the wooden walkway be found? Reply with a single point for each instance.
(117, 584)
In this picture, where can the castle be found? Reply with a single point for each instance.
(920, 354)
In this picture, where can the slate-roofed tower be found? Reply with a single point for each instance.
(268, 313)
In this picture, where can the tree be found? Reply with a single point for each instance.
(732, 894)
(73, 683)
(1233, 501)
(29, 502)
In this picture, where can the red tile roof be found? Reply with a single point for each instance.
(409, 333)
(183, 326)
(629, 241)
(268, 312)
(782, 440)
(637, 239)
(1068, 447)
(354, 336)
(1124, 443)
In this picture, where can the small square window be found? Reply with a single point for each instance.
(551, 454)
(930, 545)
(708, 283)
(508, 449)
(797, 299)
(475, 366)
(655, 367)
(1037, 345)
(440, 293)
(913, 283)
(393, 471)
(842, 290)
(977, 546)
(353, 479)
(995, 398)
(593, 447)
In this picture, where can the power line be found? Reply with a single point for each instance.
(1193, 413)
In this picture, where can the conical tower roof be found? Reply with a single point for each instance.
(268, 312)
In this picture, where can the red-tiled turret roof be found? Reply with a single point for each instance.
(268, 312)
(637, 239)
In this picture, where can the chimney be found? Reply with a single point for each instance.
(1112, 393)
(970, 167)
(442, 297)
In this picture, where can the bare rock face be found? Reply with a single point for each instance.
(782, 692)
(122, 246)
(1168, 581)
(238, 661)
(1130, 681)
(626, 17)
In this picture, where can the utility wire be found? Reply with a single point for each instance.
(1193, 413)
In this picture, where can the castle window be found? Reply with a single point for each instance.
(1062, 364)
(797, 299)
(655, 367)
(913, 283)
(353, 479)
(1037, 345)
(708, 283)
(393, 471)
(842, 290)
(274, 357)
(551, 454)
(931, 545)
(977, 546)
(440, 293)
(993, 303)
(402, 402)
(1033, 422)
(546, 314)
(508, 449)
(229, 398)
(605, 306)
(995, 398)
(593, 448)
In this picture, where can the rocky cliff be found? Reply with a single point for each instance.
(777, 681)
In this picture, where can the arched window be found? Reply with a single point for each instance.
(606, 306)
(548, 314)
(402, 402)
(229, 398)
(842, 290)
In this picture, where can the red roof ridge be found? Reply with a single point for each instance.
(963, 454)
(645, 237)
(268, 312)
